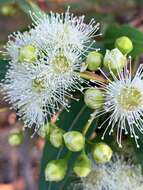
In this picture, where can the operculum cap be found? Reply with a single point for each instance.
(15, 138)
(102, 153)
(94, 98)
(56, 170)
(114, 60)
(94, 60)
(74, 141)
(124, 44)
(56, 137)
(44, 130)
(82, 166)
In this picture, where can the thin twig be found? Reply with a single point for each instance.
(89, 122)
(92, 76)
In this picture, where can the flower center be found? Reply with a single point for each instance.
(28, 53)
(38, 84)
(130, 98)
(60, 63)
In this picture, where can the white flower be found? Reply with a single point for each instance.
(123, 100)
(116, 175)
(63, 67)
(17, 41)
(65, 30)
(45, 65)
(38, 89)
(28, 91)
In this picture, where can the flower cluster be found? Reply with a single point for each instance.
(116, 175)
(121, 95)
(47, 65)
(44, 65)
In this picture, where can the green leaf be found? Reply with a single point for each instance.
(115, 31)
(24, 5)
(138, 154)
(74, 120)
(27, 6)
(139, 2)
(6, 1)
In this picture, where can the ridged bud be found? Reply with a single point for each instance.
(102, 153)
(82, 166)
(56, 137)
(94, 98)
(74, 141)
(114, 60)
(15, 138)
(28, 53)
(124, 44)
(44, 131)
(56, 170)
(94, 60)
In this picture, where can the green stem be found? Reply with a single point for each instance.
(90, 143)
(135, 65)
(92, 76)
(67, 156)
(89, 122)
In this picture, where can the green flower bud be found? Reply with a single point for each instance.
(94, 60)
(15, 138)
(82, 166)
(124, 44)
(8, 10)
(56, 170)
(114, 60)
(28, 53)
(56, 137)
(44, 131)
(102, 153)
(94, 98)
(74, 141)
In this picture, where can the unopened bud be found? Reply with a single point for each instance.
(124, 44)
(8, 10)
(102, 153)
(94, 98)
(15, 138)
(94, 60)
(56, 170)
(114, 60)
(74, 141)
(56, 137)
(44, 131)
(82, 166)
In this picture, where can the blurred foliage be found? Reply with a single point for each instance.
(6, 1)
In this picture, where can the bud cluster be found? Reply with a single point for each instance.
(74, 141)
(114, 61)
(116, 91)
